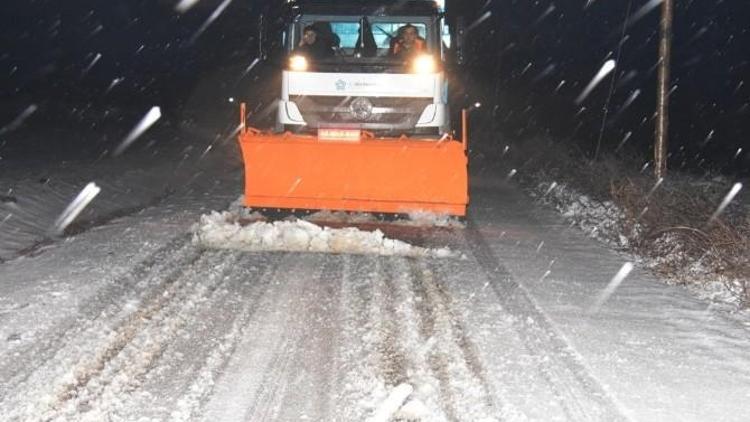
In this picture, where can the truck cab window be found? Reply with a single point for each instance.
(347, 32)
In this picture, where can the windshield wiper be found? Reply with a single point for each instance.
(387, 34)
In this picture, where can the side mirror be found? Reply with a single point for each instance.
(460, 40)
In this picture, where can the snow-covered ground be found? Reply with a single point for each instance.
(606, 222)
(128, 319)
(37, 191)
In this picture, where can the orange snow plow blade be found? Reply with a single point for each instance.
(390, 175)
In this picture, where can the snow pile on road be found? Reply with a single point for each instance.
(224, 231)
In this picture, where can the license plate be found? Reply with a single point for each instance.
(345, 135)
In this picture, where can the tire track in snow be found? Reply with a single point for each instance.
(466, 347)
(198, 346)
(375, 350)
(320, 335)
(282, 368)
(132, 349)
(428, 311)
(355, 357)
(390, 348)
(465, 393)
(327, 335)
(401, 351)
(269, 399)
(243, 295)
(194, 341)
(94, 316)
(248, 376)
(580, 394)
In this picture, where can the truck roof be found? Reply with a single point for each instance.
(367, 8)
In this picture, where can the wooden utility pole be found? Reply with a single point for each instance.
(662, 95)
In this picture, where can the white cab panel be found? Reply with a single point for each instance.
(362, 84)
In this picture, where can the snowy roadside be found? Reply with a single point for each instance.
(35, 194)
(630, 219)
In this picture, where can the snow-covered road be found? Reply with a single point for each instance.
(131, 320)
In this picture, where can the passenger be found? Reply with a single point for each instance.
(312, 45)
(407, 42)
(326, 34)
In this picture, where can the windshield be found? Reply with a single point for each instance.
(382, 32)
(365, 37)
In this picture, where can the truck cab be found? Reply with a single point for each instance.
(362, 84)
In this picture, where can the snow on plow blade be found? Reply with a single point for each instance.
(390, 175)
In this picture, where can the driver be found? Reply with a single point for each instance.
(312, 44)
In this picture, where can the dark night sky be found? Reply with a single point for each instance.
(518, 58)
(535, 51)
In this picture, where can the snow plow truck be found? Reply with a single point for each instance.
(363, 120)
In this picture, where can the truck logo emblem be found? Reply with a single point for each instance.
(361, 108)
(340, 85)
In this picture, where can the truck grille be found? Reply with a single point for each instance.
(364, 112)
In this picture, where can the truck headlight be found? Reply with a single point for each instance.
(298, 63)
(424, 63)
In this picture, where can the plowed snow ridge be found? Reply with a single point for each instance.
(223, 231)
